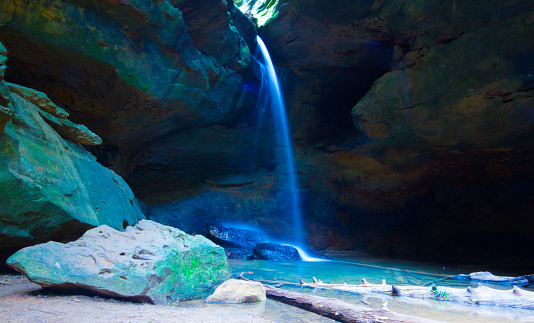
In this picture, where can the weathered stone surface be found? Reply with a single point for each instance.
(133, 72)
(263, 204)
(39, 99)
(439, 144)
(236, 237)
(237, 243)
(5, 106)
(276, 252)
(6, 11)
(148, 262)
(238, 291)
(5, 116)
(51, 188)
(5, 101)
(68, 129)
(3, 61)
(243, 24)
(212, 31)
(481, 101)
(412, 122)
(326, 61)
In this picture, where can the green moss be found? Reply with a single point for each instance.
(193, 273)
(263, 11)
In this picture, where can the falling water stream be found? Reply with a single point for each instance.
(279, 112)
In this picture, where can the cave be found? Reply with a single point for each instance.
(410, 125)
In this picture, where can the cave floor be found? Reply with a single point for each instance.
(23, 301)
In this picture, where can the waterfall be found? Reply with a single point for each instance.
(279, 113)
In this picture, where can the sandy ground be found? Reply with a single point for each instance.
(23, 301)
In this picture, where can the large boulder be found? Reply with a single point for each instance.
(148, 262)
(276, 252)
(238, 291)
(238, 243)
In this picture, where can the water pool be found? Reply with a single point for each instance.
(351, 271)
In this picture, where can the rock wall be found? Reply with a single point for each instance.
(136, 72)
(51, 188)
(412, 121)
(433, 157)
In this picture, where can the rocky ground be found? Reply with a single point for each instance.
(23, 301)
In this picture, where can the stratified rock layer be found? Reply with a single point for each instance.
(132, 71)
(148, 262)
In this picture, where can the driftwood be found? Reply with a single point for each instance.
(337, 309)
(514, 298)
(487, 277)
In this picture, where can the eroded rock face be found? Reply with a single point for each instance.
(5, 101)
(262, 201)
(133, 72)
(51, 188)
(433, 157)
(328, 55)
(148, 262)
(39, 99)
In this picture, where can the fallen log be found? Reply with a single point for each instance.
(337, 309)
(487, 277)
(482, 295)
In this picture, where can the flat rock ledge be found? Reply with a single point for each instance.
(149, 262)
(238, 291)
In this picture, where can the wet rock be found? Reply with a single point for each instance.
(276, 252)
(238, 243)
(148, 262)
(264, 204)
(238, 291)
